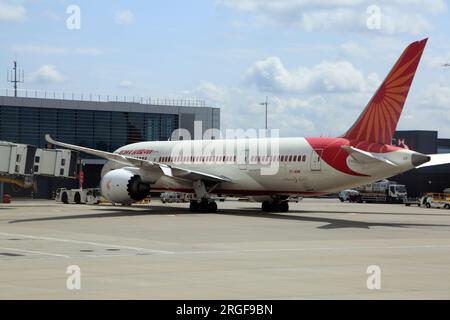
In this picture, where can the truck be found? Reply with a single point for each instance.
(383, 191)
(78, 196)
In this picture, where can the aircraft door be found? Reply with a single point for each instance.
(316, 164)
(243, 163)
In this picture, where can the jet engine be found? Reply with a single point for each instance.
(124, 186)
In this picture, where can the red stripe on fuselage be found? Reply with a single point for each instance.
(331, 152)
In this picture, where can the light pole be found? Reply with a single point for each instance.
(265, 104)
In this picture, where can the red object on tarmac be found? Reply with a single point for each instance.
(6, 198)
(81, 179)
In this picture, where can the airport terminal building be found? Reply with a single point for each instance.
(105, 125)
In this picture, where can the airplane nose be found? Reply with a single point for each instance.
(417, 159)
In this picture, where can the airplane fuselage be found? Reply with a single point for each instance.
(296, 166)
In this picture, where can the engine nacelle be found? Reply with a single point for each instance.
(124, 186)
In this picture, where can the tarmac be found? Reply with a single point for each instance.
(321, 249)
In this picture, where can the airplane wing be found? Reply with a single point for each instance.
(168, 170)
(365, 157)
(436, 159)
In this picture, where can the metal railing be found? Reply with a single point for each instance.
(30, 93)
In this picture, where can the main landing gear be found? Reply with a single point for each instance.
(203, 206)
(275, 206)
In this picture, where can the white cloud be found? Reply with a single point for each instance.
(10, 11)
(352, 49)
(342, 19)
(438, 96)
(51, 15)
(124, 17)
(306, 116)
(396, 20)
(87, 51)
(46, 50)
(321, 114)
(438, 61)
(397, 16)
(428, 109)
(270, 75)
(46, 74)
(209, 91)
(125, 84)
(38, 49)
(432, 6)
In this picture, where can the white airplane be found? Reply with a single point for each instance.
(304, 166)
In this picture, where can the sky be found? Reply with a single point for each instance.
(318, 61)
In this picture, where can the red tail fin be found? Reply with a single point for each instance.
(379, 119)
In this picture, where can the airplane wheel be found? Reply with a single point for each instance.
(266, 206)
(283, 206)
(77, 198)
(194, 206)
(275, 207)
(203, 207)
(206, 206)
(212, 207)
(64, 198)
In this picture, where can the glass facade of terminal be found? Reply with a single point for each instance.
(104, 130)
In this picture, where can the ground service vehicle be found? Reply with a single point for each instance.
(382, 192)
(436, 200)
(412, 202)
(177, 197)
(349, 195)
(79, 196)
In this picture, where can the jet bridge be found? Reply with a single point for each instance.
(22, 162)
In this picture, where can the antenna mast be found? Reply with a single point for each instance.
(15, 76)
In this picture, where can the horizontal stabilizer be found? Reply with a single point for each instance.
(365, 157)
